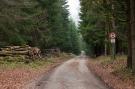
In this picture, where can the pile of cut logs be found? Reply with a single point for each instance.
(18, 50)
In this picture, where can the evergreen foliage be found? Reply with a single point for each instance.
(42, 23)
(98, 19)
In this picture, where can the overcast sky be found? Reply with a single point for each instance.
(74, 9)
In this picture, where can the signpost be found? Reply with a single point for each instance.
(112, 37)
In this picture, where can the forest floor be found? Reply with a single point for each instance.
(15, 75)
(113, 72)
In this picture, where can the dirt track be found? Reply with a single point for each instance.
(73, 74)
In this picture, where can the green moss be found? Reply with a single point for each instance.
(8, 63)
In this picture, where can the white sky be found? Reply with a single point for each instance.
(74, 9)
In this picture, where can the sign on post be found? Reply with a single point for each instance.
(113, 40)
(112, 37)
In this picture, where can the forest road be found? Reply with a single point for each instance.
(73, 74)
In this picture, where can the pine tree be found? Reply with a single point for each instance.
(101, 17)
(42, 23)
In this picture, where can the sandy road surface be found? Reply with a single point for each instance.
(73, 74)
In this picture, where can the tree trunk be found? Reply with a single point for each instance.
(129, 60)
(113, 17)
(132, 6)
(106, 36)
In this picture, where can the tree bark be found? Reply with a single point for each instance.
(129, 60)
(105, 27)
(132, 22)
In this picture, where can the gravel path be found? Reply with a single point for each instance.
(73, 74)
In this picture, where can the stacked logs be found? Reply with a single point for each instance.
(20, 50)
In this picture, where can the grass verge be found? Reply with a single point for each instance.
(114, 72)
